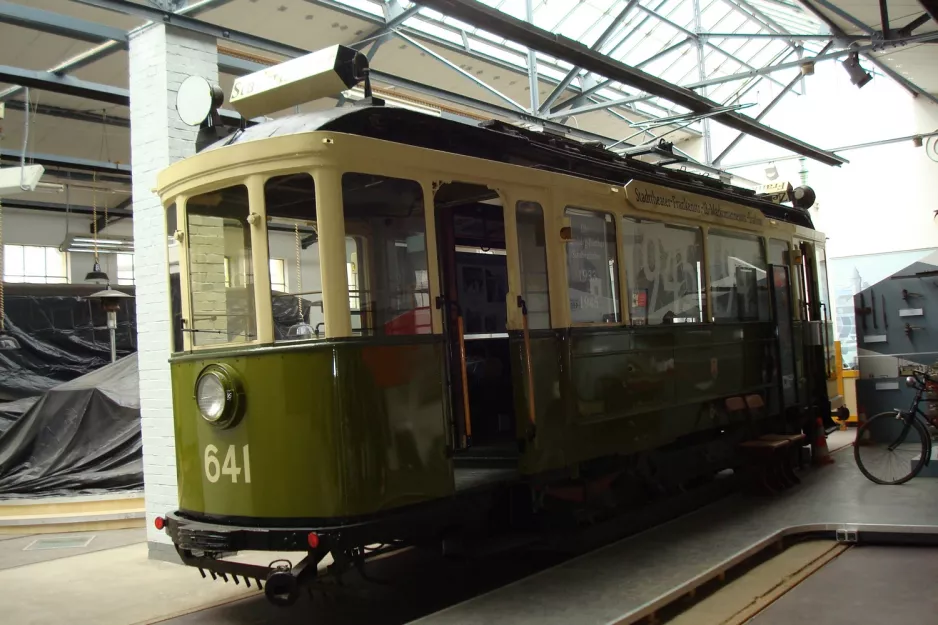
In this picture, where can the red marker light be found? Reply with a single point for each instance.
(313, 540)
(159, 522)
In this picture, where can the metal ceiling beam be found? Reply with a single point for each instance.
(910, 86)
(56, 24)
(92, 117)
(765, 111)
(66, 162)
(603, 38)
(187, 22)
(69, 85)
(442, 59)
(918, 22)
(842, 14)
(931, 7)
(533, 86)
(394, 16)
(47, 81)
(577, 54)
(107, 48)
(774, 36)
(933, 36)
(753, 14)
(12, 202)
(605, 83)
(858, 146)
(884, 19)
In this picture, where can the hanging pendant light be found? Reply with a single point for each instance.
(96, 274)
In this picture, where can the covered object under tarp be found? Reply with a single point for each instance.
(82, 436)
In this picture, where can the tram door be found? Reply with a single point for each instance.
(815, 314)
(474, 285)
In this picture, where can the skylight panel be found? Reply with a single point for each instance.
(364, 5)
(428, 27)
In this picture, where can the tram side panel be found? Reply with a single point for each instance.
(328, 431)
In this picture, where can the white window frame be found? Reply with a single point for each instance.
(32, 274)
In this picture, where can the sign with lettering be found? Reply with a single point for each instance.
(654, 198)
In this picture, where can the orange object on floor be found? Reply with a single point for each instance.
(822, 454)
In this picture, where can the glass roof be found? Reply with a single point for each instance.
(656, 36)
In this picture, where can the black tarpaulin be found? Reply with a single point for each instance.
(62, 335)
(81, 436)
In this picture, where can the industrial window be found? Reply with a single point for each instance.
(125, 269)
(278, 275)
(34, 264)
(221, 278)
(738, 283)
(293, 263)
(592, 267)
(664, 272)
(532, 252)
(386, 255)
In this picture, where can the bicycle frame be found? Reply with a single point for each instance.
(914, 411)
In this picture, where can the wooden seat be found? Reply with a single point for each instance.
(793, 459)
(769, 466)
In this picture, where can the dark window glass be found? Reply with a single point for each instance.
(592, 268)
(386, 255)
(664, 271)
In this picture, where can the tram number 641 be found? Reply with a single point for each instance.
(214, 470)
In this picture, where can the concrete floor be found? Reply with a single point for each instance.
(889, 585)
(111, 581)
(108, 582)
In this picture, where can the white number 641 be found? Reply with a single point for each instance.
(214, 470)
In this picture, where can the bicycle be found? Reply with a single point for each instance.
(897, 443)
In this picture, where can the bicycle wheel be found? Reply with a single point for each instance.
(891, 448)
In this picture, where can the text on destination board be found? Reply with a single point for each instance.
(701, 207)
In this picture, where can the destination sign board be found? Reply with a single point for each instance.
(656, 198)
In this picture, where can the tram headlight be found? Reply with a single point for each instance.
(218, 395)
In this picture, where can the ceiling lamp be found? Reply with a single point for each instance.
(858, 75)
(96, 275)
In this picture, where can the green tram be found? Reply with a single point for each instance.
(393, 328)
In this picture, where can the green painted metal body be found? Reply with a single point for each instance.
(623, 390)
(334, 429)
(355, 427)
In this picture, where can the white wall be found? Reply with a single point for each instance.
(26, 227)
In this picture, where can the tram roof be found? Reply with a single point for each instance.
(498, 141)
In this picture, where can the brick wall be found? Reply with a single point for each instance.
(160, 59)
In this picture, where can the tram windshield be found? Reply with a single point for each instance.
(386, 256)
(221, 277)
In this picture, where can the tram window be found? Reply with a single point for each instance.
(295, 281)
(175, 286)
(592, 267)
(221, 312)
(664, 271)
(738, 281)
(778, 252)
(387, 258)
(532, 252)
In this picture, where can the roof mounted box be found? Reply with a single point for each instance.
(15, 180)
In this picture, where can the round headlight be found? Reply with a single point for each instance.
(218, 395)
(210, 395)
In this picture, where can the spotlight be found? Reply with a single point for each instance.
(858, 75)
(917, 142)
(807, 68)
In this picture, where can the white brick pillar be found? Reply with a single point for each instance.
(161, 57)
